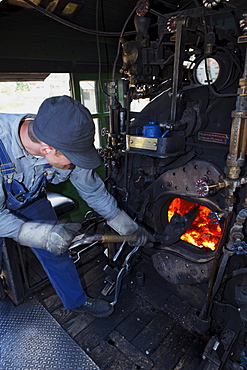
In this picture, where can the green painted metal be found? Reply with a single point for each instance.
(66, 188)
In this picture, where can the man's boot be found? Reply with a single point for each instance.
(95, 306)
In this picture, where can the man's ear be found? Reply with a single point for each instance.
(45, 149)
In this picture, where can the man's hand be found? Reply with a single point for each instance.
(124, 225)
(53, 237)
(144, 238)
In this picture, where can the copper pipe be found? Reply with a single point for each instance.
(238, 140)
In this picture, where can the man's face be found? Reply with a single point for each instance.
(58, 160)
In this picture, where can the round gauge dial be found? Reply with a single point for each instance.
(213, 71)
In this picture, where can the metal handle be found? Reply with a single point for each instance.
(102, 238)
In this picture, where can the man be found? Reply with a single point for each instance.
(55, 145)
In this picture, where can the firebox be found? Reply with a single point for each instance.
(193, 223)
(191, 234)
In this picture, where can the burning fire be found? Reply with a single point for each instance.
(203, 233)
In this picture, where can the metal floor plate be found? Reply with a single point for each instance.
(30, 338)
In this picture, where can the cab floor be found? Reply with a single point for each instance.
(149, 328)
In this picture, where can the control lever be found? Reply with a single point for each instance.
(119, 251)
(125, 269)
(110, 238)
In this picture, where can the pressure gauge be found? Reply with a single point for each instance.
(222, 71)
(213, 71)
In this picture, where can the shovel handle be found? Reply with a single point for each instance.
(102, 238)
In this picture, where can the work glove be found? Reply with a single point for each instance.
(51, 236)
(144, 238)
(124, 225)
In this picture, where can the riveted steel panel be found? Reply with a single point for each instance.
(30, 338)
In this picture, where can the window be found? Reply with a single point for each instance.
(25, 96)
(89, 95)
(98, 104)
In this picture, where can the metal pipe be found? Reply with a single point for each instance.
(178, 66)
(238, 140)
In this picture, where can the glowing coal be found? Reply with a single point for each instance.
(204, 232)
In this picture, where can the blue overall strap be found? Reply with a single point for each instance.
(17, 195)
(46, 167)
(6, 167)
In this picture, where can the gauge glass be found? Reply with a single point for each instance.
(213, 69)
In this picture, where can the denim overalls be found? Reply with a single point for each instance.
(34, 205)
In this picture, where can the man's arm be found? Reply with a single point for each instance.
(51, 236)
(92, 189)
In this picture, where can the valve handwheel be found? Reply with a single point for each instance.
(171, 24)
(142, 7)
(202, 188)
(211, 3)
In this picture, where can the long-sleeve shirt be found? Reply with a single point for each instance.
(29, 169)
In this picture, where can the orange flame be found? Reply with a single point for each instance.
(203, 233)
